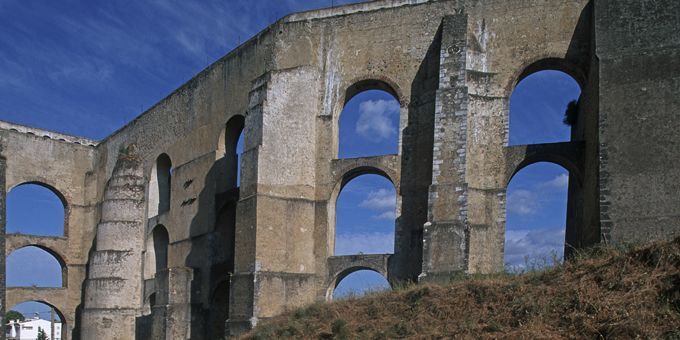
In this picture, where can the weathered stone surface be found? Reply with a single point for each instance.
(452, 65)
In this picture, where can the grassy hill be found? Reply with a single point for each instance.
(603, 294)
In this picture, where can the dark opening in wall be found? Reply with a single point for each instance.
(228, 153)
(161, 241)
(160, 186)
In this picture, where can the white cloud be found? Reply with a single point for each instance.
(368, 243)
(380, 199)
(560, 182)
(533, 246)
(387, 215)
(374, 121)
(522, 202)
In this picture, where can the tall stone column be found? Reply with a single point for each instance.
(275, 263)
(445, 234)
(114, 284)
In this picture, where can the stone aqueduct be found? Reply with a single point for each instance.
(160, 243)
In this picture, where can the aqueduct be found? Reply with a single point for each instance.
(164, 239)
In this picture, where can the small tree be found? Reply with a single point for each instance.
(14, 315)
(571, 114)
(41, 334)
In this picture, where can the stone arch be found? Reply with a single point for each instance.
(65, 323)
(150, 300)
(160, 244)
(367, 83)
(546, 63)
(51, 187)
(534, 66)
(572, 219)
(361, 85)
(336, 278)
(55, 254)
(349, 174)
(565, 155)
(160, 186)
(226, 153)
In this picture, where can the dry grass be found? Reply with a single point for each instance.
(603, 294)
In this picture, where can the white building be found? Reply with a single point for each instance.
(28, 329)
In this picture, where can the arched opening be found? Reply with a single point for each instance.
(34, 266)
(544, 105)
(160, 186)
(365, 213)
(219, 310)
(229, 151)
(536, 217)
(36, 209)
(160, 247)
(369, 121)
(37, 317)
(358, 283)
(152, 299)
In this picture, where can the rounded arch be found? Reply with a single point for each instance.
(337, 278)
(47, 185)
(539, 215)
(362, 170)
(341, 183)
(227, 153)
(54, 254)
(547, 63)
(352, 174)
(150, 300)
(543, 103)
(65, 323)
(52, 189)
(564, 162)
(57, 256)
(161, 241)
(368, 83)
(160, 186)
(57, 310)
(367, 118)
(229, 134)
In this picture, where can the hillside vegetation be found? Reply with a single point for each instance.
(603, 294)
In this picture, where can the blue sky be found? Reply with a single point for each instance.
(86, 68)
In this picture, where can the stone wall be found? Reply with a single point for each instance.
(267, 245)
(639, 80)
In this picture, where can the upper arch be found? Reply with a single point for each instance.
(58, 193)
(229, 134)
(46, 185)
(362, 84)
(546, 64)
